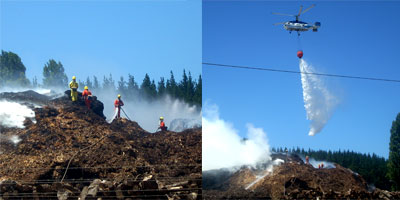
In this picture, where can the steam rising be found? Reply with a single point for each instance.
(15, 139)
(265, 172)
(224, 148)
(13, 114)
(147, 113)
(318, 101)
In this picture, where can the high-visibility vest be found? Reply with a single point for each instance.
(73, 84)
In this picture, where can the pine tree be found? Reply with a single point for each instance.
(96, 84)
(190, 90)
(198, 92)
(161, 87)
(108, 83)
(145, 87)
(153, 90)
(12, 70)
(183, 86)
(172, 86)
(34, 82)
(89, 83)
(54, 75)
(394, 154)
(132, 87)
(122, 89)
(81, 84)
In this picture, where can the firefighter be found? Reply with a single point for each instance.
(162, 124)
(87, 96)
(74, 89)
(118, 103)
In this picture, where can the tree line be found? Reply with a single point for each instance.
(188, 89)
(12, 74)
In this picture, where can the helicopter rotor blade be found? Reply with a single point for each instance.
(312, 6)
(301, 8)
(282, 14)
(279, 23)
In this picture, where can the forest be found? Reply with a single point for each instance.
(188, 89)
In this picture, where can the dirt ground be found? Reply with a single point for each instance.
(73, 152)
(291, 180)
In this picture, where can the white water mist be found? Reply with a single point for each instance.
(316, 163)
(13, 114)
(147, 113)
(223, 147)
(265, 173)
(319, 102)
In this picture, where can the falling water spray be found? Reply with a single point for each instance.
(319, 102)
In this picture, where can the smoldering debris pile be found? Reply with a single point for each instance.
(291, 180)
(72, 152)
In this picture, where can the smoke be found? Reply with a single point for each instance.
(15, 139)
(319, 102)
(265, 173)
(223, 148)
(13, 114)
(148, 112)
(145, 112)
(42, 91)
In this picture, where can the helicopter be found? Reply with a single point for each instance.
(298, 25)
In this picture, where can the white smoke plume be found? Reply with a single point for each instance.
(148, 113)
(223, 148)
(319, 102)
(13, 114)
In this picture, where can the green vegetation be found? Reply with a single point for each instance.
(54, 75)
(12, 74)
(12, 70)
(188, 89)
(394, 154)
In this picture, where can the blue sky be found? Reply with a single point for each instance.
(358, 38)
(103, 37)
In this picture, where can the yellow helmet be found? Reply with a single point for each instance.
(161, 118)
(119, 96)
(73, 78)
(86, 87)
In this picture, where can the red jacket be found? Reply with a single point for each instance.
(162, 124)
(86, 93)
(118, 103)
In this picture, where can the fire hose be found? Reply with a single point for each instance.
(125, 114)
